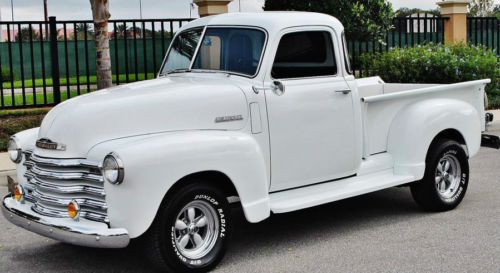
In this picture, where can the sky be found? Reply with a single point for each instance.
(129, 9)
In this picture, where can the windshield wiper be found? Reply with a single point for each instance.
(178, 70)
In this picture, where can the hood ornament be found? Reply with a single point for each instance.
(45, 143)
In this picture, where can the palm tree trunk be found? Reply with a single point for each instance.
(101, 15)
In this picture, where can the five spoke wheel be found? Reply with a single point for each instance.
(196, 229)
(447, 176)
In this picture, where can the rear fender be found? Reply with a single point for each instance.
(416, 125)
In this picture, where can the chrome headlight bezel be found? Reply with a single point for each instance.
(14, 150)
(112, 169)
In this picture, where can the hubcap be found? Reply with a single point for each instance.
(447, 176)
(196, 229)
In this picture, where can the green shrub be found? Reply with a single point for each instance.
(436, 63)
(5, 76)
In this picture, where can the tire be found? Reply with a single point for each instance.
(179, 241)
(446, 177)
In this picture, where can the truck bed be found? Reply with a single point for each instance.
(381, 102)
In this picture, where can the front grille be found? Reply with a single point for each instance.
(54, 183)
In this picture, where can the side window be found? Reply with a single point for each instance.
(305, 54)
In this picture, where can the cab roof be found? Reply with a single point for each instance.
(269, 20)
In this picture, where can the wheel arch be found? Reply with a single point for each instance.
(451, 134)
(211, 177)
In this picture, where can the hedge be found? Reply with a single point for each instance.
(437, 63)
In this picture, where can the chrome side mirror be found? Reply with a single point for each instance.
(278, 88)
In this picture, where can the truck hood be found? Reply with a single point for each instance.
(174, 103)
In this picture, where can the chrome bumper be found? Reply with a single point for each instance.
(82, 233)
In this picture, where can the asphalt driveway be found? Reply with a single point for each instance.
(378, 232)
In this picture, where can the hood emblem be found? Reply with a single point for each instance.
(48, 144)
(228, 118)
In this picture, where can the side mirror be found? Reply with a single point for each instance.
(278, 88)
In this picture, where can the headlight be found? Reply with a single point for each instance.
(112, 169)
(15, 152)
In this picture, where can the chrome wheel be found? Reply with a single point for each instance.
(196, 229)
(447, 176)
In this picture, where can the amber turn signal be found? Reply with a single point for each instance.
(73, 210)
(19, 193)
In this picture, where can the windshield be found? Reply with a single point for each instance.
(182, 51)
(232, 50)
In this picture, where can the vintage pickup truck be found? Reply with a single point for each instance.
(259, 110)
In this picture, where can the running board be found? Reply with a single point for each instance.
(301, 198)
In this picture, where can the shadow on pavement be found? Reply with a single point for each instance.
(275, 234)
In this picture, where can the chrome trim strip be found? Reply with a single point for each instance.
(62, 213)
(60, 201)
(67, 189)
(63, 162)
(88, 236)
(35, 170)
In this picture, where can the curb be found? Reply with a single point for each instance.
(3, 176)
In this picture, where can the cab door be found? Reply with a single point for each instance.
(310, 111)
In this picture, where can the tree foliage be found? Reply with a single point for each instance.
(26, 34)
(496, 11)
(481, 8)
(405, 12)
(363, 20)
(83, 31)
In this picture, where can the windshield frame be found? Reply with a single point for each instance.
(202, 37)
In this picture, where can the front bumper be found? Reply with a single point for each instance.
(83, 233)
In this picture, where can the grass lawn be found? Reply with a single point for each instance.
(28, 83)
(13, 121)
(30, 99)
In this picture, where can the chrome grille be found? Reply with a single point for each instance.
(54, 183)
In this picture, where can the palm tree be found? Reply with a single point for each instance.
(83, 28)
(121, 30)
(101, 15)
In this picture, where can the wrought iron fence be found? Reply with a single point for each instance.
(484, 31)
(43, 63)
(406, 32)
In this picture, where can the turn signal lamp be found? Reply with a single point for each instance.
(73, 210)
(19, 193)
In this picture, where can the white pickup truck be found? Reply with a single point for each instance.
(260, 110)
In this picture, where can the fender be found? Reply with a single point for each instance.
(26, 140)
(153, 164)
(409, 147)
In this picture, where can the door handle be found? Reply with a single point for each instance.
(343, 91)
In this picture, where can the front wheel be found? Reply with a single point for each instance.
(191, 231)
(446, 177)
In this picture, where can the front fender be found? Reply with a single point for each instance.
(153, 164)
(416, 126)
(26, 140)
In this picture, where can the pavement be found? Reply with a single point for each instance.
(6, 168)
(379, 232)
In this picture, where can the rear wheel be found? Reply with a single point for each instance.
(191, 231)
(446, 177)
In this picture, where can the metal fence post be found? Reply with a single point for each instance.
(54, 60)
